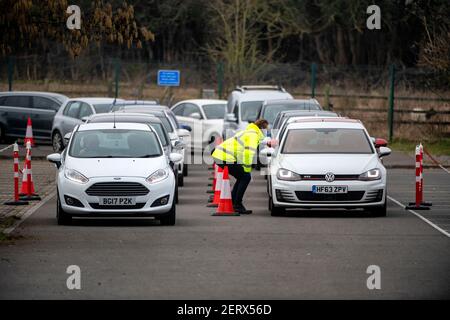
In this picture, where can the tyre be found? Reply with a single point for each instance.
(62, 217)
(275, 211)
(180, 180)
(380, 211)
(168, 219)
(185, 170)
(176, 195)
(57, 142)
(2, 133)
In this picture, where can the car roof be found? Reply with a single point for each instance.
(122, 116)
(93, 100)
(144, 110)
(324, 122)
(262, 95)
(312, 113)
(291, 101)
(109, 125)
(34, 93)
(202, 102)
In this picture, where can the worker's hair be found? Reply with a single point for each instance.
(261, 123)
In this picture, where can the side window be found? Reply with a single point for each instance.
(72, 109)
(190, 109)
(2, 100)
(85, 111)
(178, 110)
(18, 101)
(45, 103)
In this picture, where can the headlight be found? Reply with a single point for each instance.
(374, 174)
(75, 176)
(287, 175)
(158, 176)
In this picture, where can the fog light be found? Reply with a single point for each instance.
(161, 201)
(73, 202)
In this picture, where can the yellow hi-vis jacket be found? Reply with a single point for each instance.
(240, 148)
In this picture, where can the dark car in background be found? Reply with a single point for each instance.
(270, 109)
(17, 106)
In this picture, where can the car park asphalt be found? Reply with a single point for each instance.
(304, 255)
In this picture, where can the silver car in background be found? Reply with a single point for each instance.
(74, 112)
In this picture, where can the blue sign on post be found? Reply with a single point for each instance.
(169, 78)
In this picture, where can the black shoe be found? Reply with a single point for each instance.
(241, 209)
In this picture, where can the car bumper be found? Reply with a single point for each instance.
(91, 206)
(299, 194)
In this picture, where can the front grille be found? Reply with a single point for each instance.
(100, 207)
(310, 196)
(321, 177)
(113, 189)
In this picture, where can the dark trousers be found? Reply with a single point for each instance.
(242, 181)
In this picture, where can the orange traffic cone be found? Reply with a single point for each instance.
(218, 185)
(213, 184)
(27, 192)
(225, 207)
(29, 133)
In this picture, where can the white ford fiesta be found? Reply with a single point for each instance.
(326, 163)
(116, 169)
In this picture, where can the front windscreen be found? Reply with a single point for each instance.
(215, 111)
(326, 140)
(250, 110)
(271, 111)
(115, 143)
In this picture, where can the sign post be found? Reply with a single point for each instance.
(168, 78)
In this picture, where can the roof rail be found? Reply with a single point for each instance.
(261, 87)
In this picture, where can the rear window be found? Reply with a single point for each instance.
(326, 140)
(215, 111)
(103, 107)
(250, 110)
(271, 111)
(115, 143)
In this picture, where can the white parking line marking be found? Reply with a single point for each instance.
(420, 217)
(29, 213)
(6, 148)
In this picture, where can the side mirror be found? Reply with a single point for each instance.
(67, 138)
(175, 157)
(178, 144)
(84, 119)
(230, 117)
(384, 151)
(196, 116)
(379, 142)
(55, 158)
(183, 133)
(267, 152)
(186, 127)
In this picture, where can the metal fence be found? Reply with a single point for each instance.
(393, 101)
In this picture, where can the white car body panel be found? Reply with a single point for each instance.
(115, 170)
(321, 164)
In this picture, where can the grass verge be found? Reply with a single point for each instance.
(436, 148)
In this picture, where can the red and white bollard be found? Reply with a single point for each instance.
(17, 201)
(419, 204)
(27, 191)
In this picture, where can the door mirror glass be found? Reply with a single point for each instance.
(55, 158)
(384, 151)
(230, 117)
(175, 157)
(67, 138)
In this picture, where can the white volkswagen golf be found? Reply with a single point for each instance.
(115, 170)
(326, 163)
